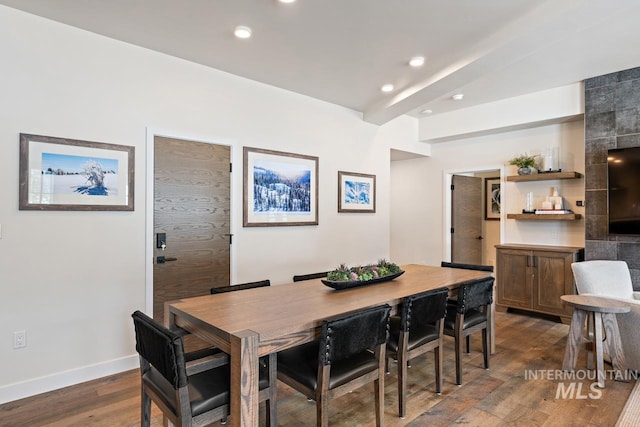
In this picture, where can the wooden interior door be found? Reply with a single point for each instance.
(192, 197)
(466, 219)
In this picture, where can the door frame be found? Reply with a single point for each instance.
(447, 179)
(151, 133)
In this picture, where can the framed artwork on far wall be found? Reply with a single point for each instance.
(279, 188)
(492, 198)
(356, 192)
(74, 175)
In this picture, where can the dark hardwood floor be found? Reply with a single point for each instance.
(503, 395)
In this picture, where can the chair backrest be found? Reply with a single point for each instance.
(354, 333)
(240, 287)
(467, 266)
(301, 277)
(423, 309)
(475, 294)
(603, 277)
(162, 348)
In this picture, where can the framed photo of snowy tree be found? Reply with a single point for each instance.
(356, 192)
(279, 188)
(73, 175)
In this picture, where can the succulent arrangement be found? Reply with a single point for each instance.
(363, 273)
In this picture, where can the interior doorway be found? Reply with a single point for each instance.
(466, 219)
(189, 219)
(491, 226)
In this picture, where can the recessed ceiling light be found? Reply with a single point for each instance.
(457, 96)
(387, 88)
(426, 111)
(287, 1)
(417, 61)
(242, 32)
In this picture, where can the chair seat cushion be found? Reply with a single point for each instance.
(301, 364)
(208, 389)
(418, 335)
(471, 318)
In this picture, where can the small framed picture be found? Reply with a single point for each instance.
(279, 188)
(492, 198)
(356, 192)
(74, 175)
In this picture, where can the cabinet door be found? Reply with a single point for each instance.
(553, 279)
(514, 278)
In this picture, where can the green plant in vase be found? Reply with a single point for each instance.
(525, 163)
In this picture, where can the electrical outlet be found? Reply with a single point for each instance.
(19, 339)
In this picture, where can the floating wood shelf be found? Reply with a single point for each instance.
(546, 217)
(545, 176)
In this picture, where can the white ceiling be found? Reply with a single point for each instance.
(343, 51)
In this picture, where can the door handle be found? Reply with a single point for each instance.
(479, 237)
(163, 259)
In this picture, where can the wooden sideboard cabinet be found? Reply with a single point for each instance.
(534, 277)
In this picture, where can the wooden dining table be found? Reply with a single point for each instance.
(262, 321)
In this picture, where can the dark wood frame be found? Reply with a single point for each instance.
(488, 214)
(25, 166)
(277, 219)
(371, 207)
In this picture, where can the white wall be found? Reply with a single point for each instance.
(72, 279)
(417, 233)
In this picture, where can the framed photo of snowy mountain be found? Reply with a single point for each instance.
(279, 188)
(73, 175)
(356, 192)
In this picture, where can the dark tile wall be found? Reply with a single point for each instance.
(612, 120)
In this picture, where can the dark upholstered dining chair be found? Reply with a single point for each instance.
(301, 277)
(417, 330)
(241, 286)
(470, 314)
(453, 299)
(349, 354)
(185, 399)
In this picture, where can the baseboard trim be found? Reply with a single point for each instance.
(11, 392)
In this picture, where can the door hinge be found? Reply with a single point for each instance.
(452, 187)
(230, 167)
(451, 230)
(230, 239)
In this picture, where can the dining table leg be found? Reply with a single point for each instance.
(244, 379)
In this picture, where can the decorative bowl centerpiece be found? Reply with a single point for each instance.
(345, 277)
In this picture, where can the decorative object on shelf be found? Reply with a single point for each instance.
(350, 277)
(553, 211)
(492, 198)
(550, 161)
(279, 188)
(556, 199)
(526, 164)
(528, 204)
(553, 203)
(73, 175)
(356, 192)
